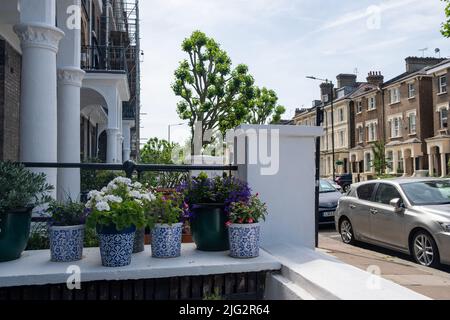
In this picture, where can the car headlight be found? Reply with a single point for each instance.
(445, 226)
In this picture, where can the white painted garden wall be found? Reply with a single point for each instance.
(288, 186)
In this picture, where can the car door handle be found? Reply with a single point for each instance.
(352, 206)
(373, 211)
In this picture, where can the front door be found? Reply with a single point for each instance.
(387, 226)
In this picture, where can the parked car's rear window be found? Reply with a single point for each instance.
(365, 191)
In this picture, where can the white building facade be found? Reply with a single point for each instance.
(71, 97)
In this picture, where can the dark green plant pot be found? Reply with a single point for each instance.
(14, 233)
(209, 231)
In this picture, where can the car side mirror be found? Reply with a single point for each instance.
(397, 204)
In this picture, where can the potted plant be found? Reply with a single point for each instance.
(207, 204)
(165, 220)
(21, 191)
(116, 211)
(244, 227)
(66, 230)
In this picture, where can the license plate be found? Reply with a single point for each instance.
(328, 214)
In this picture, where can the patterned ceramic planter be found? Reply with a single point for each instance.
(116, 247)
(66, 243)
(244, 240)
(166, 240)
(139, 241)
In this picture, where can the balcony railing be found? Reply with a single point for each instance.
(103, 58)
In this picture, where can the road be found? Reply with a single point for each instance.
(397, 267)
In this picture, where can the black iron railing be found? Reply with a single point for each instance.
(104, 58)
(130, 168)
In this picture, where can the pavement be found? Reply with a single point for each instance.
(397, 267)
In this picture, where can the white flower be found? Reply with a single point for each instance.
(122, 180)
(137, 185)
(136, 194)
(114, 199)
(111, 186)
(102, 206)
(95, 195)
(148, 196)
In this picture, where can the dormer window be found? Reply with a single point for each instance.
(442, 84)
(411, 90)
(394, 95)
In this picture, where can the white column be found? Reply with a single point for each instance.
(126, 127)
(111, 149)
(443, 164)
(38, 114)
(70, 77)
(431, 164)
(394, 161)
(280, 169)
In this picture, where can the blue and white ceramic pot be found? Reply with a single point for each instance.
(244, 240)
(66, 243)
(139, 241)
(166, 240)
(116, 246)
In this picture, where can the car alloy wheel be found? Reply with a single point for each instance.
(425, 250)
(346, 231)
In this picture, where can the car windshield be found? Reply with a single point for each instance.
(428, 192)
(325, 187)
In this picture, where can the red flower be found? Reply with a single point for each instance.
(229, 223)
(257, 194)
(241, 220)
(250, 220)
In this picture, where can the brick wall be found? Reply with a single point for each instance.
(10, 75)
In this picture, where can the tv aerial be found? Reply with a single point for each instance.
(423, 51)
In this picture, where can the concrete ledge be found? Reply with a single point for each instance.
(35, 267)
(325, 277)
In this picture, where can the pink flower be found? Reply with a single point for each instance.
(241, 220)
(228, 224)
(250, 220)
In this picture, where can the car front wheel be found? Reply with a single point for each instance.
(346, 231)
(424, 249)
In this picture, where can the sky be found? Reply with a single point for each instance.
(282, 42)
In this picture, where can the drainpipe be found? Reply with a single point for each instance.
(90, 22)
(107, 7)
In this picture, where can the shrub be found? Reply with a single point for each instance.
(21, 188)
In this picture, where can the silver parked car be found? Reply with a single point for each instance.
(407, 215)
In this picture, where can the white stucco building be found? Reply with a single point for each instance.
(72, 93)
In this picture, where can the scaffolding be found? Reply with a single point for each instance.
(121, 32)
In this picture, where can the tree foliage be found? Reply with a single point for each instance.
(157, 151)
(445, 30)
(215, 93)
(379, 162)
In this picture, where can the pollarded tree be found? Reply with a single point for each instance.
(264, 107)
(446, 25)
(210, 89)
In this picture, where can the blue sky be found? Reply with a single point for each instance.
(282, 41)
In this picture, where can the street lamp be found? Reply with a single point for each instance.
(173, 125)
(332, 121)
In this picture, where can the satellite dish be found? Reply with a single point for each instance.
(437, 51)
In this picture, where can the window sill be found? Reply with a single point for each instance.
(412, 134)
(394, 103)
(412, 98)
(441, 93)
(374, 109)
